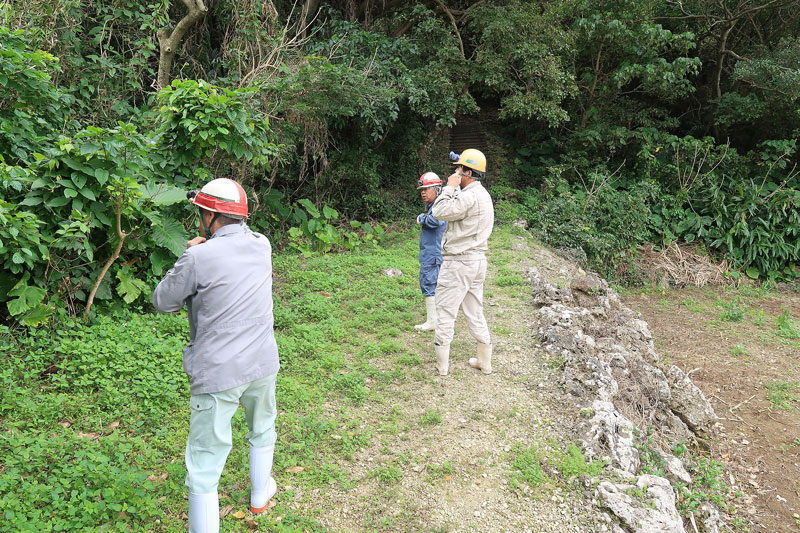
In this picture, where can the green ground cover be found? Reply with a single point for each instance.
(94, 416)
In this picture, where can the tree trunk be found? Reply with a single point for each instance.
(121, 235)
(169, 42)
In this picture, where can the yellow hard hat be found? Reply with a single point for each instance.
(473, 159)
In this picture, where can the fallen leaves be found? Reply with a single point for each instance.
(155, 479)
(295, 469)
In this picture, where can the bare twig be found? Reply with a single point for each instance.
(738, 405)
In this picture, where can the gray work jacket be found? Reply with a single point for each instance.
(470, 218)
(226, 283)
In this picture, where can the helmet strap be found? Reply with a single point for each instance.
(207, 228)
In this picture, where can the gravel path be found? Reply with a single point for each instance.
(441, 457)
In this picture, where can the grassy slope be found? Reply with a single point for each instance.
(93, 419)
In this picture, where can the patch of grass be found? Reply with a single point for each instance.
(556, 362)
(388, 473)
(782, 394)
(738, 350)
(708, 485)
(352, 385)
(571, 463)
(526, 466)
(508, 278)
(436, 472)
(693, 305)
(740, 523)
(732, 311)
(95, 413)
(640, 493)
(410, 359)
(502, 330)
(759, 317)
(664, 303)
(651, 460)
(787, 327)
(431, 417)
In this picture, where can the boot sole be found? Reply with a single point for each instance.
(259, 510)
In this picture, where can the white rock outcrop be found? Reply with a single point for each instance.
(647, 504)
(611, 366)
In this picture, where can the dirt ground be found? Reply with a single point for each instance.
(441, 459)
(728, 341)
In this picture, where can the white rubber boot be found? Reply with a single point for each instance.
(442, 358)
(262, 485)
(204, 513)
(484, 359)
(430, 323)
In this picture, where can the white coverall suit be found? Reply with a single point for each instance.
(470, 218)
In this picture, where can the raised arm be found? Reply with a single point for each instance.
(452, 204)
(179, 284)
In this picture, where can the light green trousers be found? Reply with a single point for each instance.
(210, 437)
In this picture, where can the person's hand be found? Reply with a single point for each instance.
(419, 218)
(454, 180)
(195, 241)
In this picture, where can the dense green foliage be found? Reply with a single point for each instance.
(614, 123)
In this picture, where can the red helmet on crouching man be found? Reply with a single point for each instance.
(223, 197)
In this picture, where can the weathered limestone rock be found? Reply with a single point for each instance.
(610, 364)
(646, 506)
(588, 290)
(707, 518)
(610, 435)
(676, 472)
(689, 403)
(589, 376)
(545, 293)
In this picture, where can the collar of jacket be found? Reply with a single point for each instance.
(229, 229)
(472, 185)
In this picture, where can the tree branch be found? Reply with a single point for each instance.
(455, 26)
(168, 42)
(121, 235)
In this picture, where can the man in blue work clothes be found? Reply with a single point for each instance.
(225, 280)
(430, 246)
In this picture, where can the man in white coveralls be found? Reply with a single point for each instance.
(469, 214)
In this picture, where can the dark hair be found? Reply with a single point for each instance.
(226, 220)
(477, 175)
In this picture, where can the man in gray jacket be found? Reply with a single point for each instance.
(469, 214)
(225, 280)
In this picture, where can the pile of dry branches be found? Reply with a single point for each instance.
(683, 266)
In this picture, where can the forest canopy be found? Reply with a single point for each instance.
(610, 124)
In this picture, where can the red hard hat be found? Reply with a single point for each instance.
(223, 196)
(429, 179)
